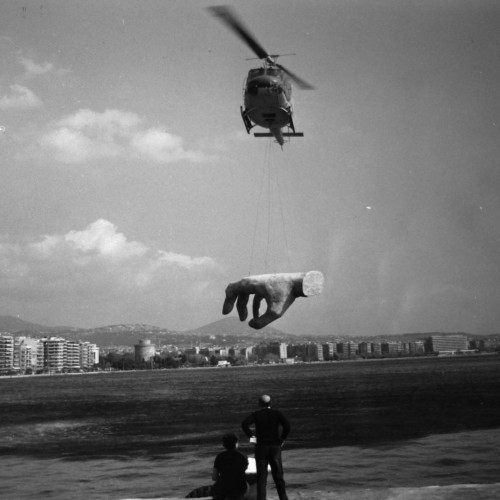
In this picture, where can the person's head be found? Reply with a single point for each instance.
(265, 401)
(230, 441)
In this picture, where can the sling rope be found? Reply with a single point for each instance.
(269, 219)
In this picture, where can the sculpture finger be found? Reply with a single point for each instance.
(241, 305)
(256, 305)
(275, 310)
(260, 322)
(233, 291)
(229, 302)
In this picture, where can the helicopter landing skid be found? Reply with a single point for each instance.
(285, 134)
(246, 120)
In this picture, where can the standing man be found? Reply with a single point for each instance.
(270, 439)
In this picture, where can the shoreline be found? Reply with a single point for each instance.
(409, 359)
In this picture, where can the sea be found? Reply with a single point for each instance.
(405, 428)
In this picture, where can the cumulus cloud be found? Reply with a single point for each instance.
(113, 134)
(184, 260)
(160, 146)
(33, 69)
(101, 239)
(19, 97)
(100, 267)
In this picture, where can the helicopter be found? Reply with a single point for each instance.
(267, 90)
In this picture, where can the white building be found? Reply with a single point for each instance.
(283, 350)
(51, 354)
(6, 352)
(25, 354)
(449, 343)
(89, 355)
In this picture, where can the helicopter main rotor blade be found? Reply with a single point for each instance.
(228, 16)
(300, 83)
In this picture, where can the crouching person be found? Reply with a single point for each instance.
(229, 471)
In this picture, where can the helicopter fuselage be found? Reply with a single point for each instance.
(267, 98)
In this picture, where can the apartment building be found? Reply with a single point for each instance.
(51, 354)
(329, 350)
(25, 354)
(89, 355)
(6, 352)
(48, 355)
(448, 343)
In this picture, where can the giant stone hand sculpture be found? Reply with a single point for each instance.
(278, 290)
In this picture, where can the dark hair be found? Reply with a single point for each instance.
(229, 440)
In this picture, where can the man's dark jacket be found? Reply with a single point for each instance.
(267, 426)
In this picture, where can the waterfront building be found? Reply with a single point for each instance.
(417, 347)
(294, 351)
(489, 345)
(340, 349)
(51, 354)
(448, 343)
(283, 353)
(329, 349)
(261, 351)
(192, 351)
(222, 351)
(89, 355)
(313, 352)
(347, 349)
(279, 349)
(71, 351)
(365, 349)
(352, 348)
(248, 351)
(205, 351)
(306, 352)
(319, 351)
(6, 352)
(25, 354)
(391, 348)
(144, 351)
(274, 348)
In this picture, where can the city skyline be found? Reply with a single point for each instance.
(132, 193)
(56, 354)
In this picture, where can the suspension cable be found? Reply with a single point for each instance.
(270, 207)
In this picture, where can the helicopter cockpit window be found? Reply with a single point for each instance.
(253, 73)
(262, 83)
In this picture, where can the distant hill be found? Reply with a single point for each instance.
(226, 331)
(233, 326)
(13, 324)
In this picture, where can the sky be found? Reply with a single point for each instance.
(131, 193)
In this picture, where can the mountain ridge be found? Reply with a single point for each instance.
(225, 331)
